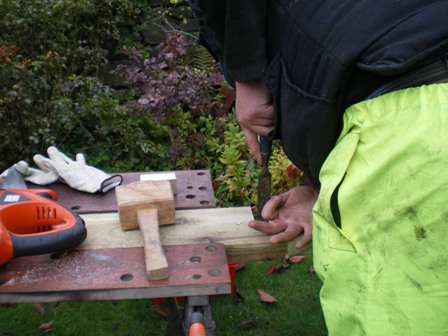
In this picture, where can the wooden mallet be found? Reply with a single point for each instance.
(146, 205)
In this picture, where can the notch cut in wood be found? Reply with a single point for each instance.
(145, 205)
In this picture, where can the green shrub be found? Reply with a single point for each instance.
(178, 113)
(190, 106)
(50, 51)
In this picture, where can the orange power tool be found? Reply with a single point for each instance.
(31, 222)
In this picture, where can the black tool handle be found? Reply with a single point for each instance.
(265, 145)
(50, 241)
(36, 224)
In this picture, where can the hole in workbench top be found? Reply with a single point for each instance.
(202, 188)
(75, 207)
(190, 196)
(211, 248)
(3, 281)
(195, 259)
(126, 277)
(204, 202)
(56, 256)
(214, 273)
(197, 276)
(190, 187)
(201, 173)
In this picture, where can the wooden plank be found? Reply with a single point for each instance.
(114, 274)
(221, 225)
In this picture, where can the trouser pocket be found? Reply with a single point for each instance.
(327, 233)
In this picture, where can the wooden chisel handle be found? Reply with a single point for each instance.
(264, 177)
(155, 259)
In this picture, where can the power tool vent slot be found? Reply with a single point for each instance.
(44, 228)
(46, 213)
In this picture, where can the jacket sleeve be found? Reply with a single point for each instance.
(234, 32)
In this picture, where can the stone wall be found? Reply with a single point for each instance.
(176, 17)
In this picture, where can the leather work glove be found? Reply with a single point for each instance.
(77, 174)
(36, 176)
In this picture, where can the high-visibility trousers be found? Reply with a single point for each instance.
(380, 224)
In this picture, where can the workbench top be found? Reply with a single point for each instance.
(194, 191)
(114, 274)
(119, 273)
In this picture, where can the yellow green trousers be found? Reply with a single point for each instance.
(380, 224)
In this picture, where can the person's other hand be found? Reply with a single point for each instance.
(288, 214)
(254, 112)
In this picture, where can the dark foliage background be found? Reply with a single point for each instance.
(170, 110)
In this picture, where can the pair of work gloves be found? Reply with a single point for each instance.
(59, 167)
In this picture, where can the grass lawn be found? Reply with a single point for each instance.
(296, 311)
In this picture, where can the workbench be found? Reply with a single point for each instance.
(196, 270)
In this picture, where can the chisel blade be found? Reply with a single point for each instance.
(264, 189)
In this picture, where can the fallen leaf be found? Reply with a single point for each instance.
(278, 268)
(312, 269)
(46, 327)
(271, 269)
(265, 297)
(268, 325)
(248, 323)
(282, 267)
(237, 297)
(37, 307)
(8, 304)
(296, 259)
(240, 265)
(160, 312)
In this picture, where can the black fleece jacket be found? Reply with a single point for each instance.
(320, 56)
(235, 33)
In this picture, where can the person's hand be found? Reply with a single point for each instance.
(288, 214)
(254, 112)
